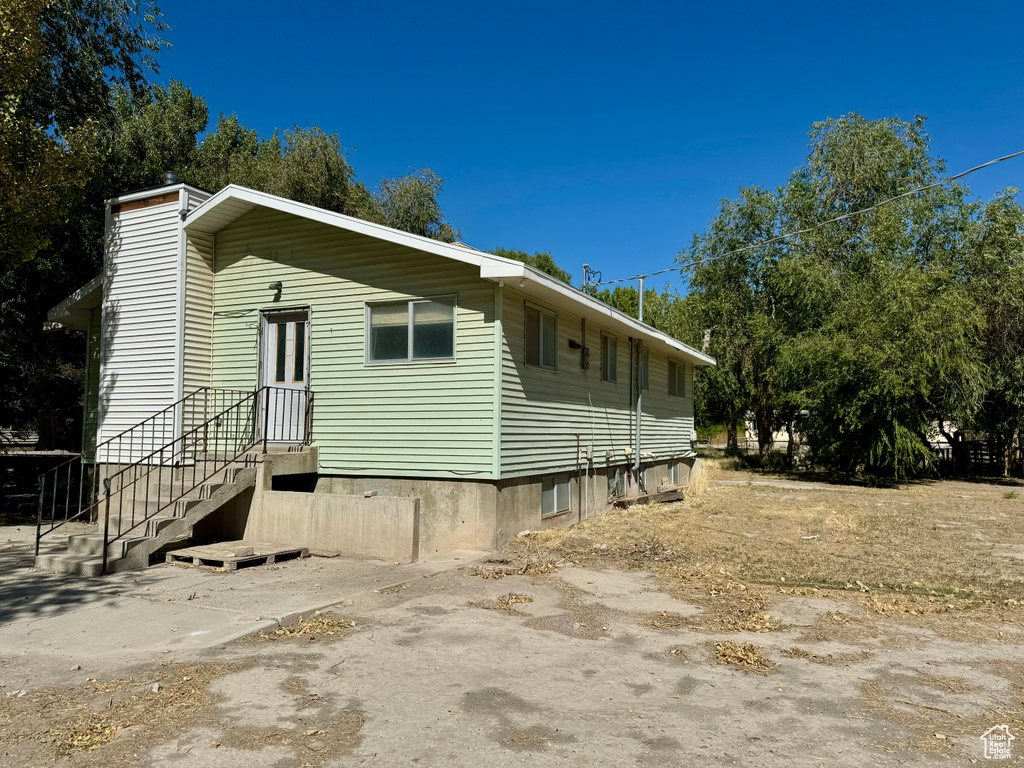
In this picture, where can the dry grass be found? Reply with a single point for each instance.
(319, 626)
(52, 724)
(505, 603)
(745, 656)
(927, 552)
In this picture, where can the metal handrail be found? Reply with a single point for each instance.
(88, 486)
(191, 416)
(231, 434)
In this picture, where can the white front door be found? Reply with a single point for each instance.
(284, 368)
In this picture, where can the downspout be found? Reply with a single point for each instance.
(639, 393)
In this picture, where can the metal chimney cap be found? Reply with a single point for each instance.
(170, 177)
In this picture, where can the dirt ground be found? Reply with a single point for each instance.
(763, 622)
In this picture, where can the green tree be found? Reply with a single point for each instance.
(541, 260)
(995, 282)
(739, 301)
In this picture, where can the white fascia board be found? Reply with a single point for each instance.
(493, 268)
(89, 296)
(340, 220)
(142, 194)
(537, 282)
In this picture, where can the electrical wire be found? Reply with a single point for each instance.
(805, 230)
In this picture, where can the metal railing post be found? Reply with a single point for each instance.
(39, 512)
(266, 415)
(106, 524)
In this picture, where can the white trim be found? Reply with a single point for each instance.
(550, 313)
(615, 357)
(531, 281)
(179, 308)
(143, 194)
(410, 320)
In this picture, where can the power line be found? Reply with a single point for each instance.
(805, 230)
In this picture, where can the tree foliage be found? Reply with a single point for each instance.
(865, 332)
(541, 260)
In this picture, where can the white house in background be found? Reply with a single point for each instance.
(492, 395)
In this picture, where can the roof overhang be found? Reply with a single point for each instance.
(74, 311)
(233, 202)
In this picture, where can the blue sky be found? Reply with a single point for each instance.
(605, 133)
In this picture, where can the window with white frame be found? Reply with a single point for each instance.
(609, 357)
(554, 495)
(645, 369)
(676, 379)
(405, 331)
(541, 337)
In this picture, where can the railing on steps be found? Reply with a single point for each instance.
(214, 428)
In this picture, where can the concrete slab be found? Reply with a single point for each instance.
(134, 617)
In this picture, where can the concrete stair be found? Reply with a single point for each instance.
(84, 553)
(147, 528)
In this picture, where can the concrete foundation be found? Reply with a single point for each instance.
(404, 519)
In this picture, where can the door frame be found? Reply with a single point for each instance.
(264, 323)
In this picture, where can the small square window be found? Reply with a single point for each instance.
(554, 495)
(609, 357)
(676, 379)
(541, 330)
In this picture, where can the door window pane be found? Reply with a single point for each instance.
(299, 374)
(433, 332)
(282, 347)
(389, 332)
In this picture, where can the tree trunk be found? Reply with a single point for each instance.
(732, 445)
(961, 460)
(765, 435)
(790, 448)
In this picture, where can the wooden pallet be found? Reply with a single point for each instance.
(223, 555)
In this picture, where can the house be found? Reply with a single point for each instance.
(259, 367)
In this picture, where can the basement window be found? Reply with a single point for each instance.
(609, 358)
(616, 484)
(676, 379)
(554, 495)
(407, 331)
(541, 330)
(673, 473)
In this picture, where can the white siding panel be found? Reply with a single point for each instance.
(139, 359)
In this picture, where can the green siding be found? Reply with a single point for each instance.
(420, 419)
(543, 411)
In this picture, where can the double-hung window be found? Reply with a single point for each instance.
(609, 357)
(404, 331)
(676, 379)
(554, 495)
(541, 337)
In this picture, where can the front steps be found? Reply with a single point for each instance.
(83, 555)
